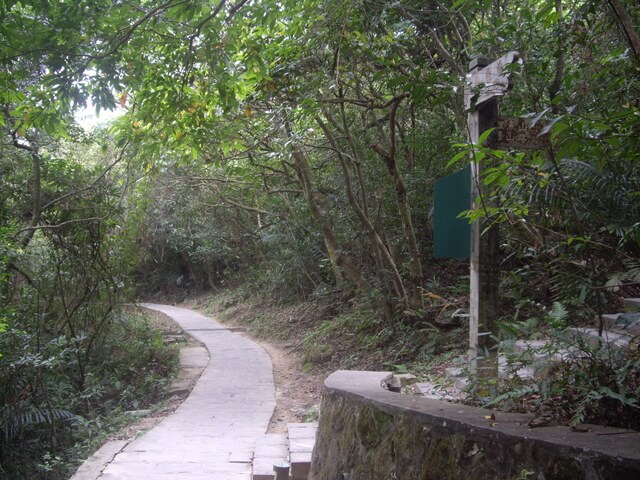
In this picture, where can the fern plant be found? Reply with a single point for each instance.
(16, 420)
(582, 380)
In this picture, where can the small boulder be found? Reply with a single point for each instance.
(452, 318)
(396, 382)
(319, 354)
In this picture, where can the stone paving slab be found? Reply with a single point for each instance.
(212, 434)
(194, 357)
(271, 449)
(631, 303)
(302, 438)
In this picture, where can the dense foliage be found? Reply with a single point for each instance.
(69, 355)
(295, 145)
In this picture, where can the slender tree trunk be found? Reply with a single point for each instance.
(318, 208)
(404, 208)
(393, 288)
(366, 222)
(554, 89)
(26, 235)
(36, 190)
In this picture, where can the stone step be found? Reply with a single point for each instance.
(540, 352)
(302, 438)
(535, 367)
(437, 392)
(628, 324)
(526, 345)
(631, 303)
(608, 321)
(590, 335)
(538, 357)
(505, 368)
(459, 375)
(271, 449)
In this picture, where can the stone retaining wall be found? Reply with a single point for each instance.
(368, 433)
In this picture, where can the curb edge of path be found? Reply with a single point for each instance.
(92, 467)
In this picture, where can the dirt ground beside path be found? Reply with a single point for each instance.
(297, 393)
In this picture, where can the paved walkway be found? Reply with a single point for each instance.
(213, 432)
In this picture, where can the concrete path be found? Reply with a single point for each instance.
(213, 433)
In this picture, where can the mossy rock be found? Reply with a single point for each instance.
(318, 354)
(372, 427)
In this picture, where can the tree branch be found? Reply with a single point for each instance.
(88, 187)
(627, 26)
(60, 225)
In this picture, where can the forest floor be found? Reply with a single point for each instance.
(310, 339)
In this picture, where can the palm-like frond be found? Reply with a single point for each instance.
(16, 420)
(585, 190)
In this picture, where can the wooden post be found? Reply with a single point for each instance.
(487, 82)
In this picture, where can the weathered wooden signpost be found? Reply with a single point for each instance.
(519, 134)
(487, 82)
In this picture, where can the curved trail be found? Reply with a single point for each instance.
(212, 434)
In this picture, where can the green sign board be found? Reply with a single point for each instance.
(451, 235)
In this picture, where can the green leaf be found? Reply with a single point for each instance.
(484, 136)
(464, 154)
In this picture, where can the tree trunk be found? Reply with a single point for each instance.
(393, 286)
(364, 220)
(554, 89)
(36, 190)
(318, 208)
(415, 266)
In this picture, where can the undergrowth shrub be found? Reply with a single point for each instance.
(48, 422)
(577, 378)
